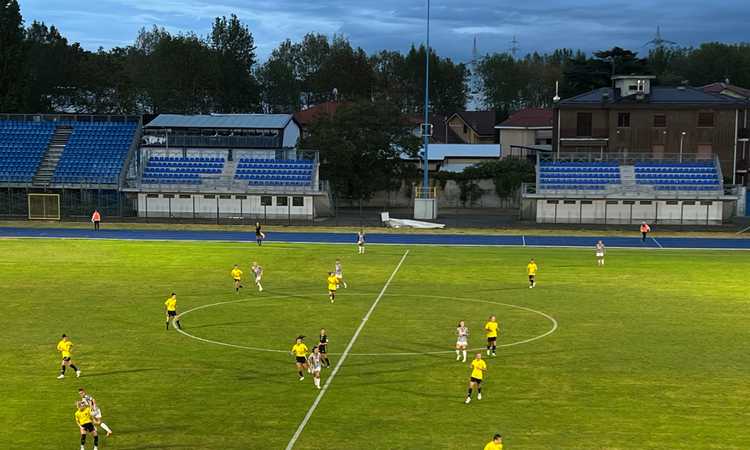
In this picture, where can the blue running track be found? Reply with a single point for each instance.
(375, 238)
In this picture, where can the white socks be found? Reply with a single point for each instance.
(317, 382)
(105, 427)
(464, 352)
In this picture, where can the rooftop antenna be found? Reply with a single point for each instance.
(658, 41)
(514, 46)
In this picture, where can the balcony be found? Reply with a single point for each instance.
(159, 140)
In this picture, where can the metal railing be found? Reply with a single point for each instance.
(152, 139)
(623, 157)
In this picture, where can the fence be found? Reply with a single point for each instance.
(72, 204)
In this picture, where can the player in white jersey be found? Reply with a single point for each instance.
(462, 340)
(600, 250)
(339, 272)
(96, 412)
(361, 242)
(258, 272)
(315, 364)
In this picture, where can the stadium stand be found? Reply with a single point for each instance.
(22, 147)
(181, 170)
(693, 176)
(95, 152)
(578, 175)
(274, 172)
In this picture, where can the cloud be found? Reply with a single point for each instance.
(541, 25)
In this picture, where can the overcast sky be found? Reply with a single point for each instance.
(395, 24)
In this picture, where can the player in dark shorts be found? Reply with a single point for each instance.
(259, 236)
(323, 347)
(299, 351)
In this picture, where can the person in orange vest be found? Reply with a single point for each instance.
(95, 219)
(645, 229)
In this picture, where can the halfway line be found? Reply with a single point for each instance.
(349, 346)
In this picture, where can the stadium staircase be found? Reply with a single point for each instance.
(47, 166)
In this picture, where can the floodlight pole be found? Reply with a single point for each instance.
(425, 134)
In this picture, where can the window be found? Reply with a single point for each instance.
(623, 120)
(552, 202)
(645, 202)
(466, 129)
(185, 196)
(240, 197)
(672, 202)
(225, 197)
(688, 203)
(628, 202)
(587, 202)
(167, 195)
(707, 203)
(660, 120)
(612, 202)
(633, 87)
(152, 195)
(282, 201)
(265, 200)
(583, 124)
(209, 196)
(298, 201)
(569, 202)
(705, 119)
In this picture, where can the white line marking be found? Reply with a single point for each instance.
(439, 352)
(523, 238)
(743, 230)
(349, 346)
(657, 243)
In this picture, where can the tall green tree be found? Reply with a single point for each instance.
(361, 147)
(12, 53)
(280, 80)
(236, 89)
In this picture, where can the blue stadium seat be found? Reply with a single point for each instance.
(95, 152)
(22, 147)
(275, 172)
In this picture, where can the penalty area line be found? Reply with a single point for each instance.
(343, 357)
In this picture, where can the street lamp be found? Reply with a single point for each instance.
(682, 138)
(426, 126)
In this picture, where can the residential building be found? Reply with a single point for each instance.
(526, 131)
(637, 117)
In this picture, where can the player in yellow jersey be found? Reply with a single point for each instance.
(65, 347)
(237, 277)
(171, 307)
(299, 350)
(531, 269)
(85, 424)
(491, 329)
(495, 444)
(478, 367)
(333, 284)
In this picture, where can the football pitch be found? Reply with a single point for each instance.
(647, 352)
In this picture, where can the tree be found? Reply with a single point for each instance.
(280, 81)
(235, 87)
(11, 56)
(361, 147)
(584, 74)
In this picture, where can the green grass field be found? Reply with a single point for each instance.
(650, 353)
